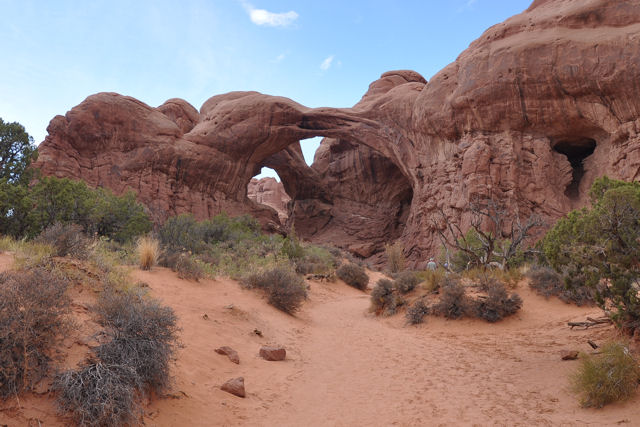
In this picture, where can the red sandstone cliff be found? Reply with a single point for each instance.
(530, 113)
(268, 191)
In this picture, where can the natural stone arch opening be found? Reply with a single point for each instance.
(576, 150)
(266, 189)
(352, 196)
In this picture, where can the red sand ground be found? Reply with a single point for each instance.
(345, 367)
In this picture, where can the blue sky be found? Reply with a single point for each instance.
(55, 53)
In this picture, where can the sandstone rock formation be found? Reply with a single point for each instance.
(234, 386)
(529, 114)
(268, 191)
(273, 352)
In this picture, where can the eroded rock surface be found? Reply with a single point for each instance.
(531, 113)
(268, 191)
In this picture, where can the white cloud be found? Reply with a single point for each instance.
(326, 64)
(468, 5)
(270, 19)
(279, 58)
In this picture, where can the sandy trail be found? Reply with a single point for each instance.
(345, 367)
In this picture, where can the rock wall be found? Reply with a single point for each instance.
(268, 191)
(529, 114)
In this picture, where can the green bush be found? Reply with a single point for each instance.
(353, 275)
(33, 310)
(599, 247)
(316, 260)
(26, 212)
(608, 377)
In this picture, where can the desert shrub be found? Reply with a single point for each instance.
(406, 282)
(67, 240)
(187, 268)
(547, 282)
(395, 257)
(182, 232)
(144, 336)
(353, 275)
(316, 260)
(453, 302)
(384, 298)
(432, 279)
(33, 308)
(148, 250)
(291, 246)
(99, 394)
(497, 304)
(417, 311)
(285, 289)
(607, 377)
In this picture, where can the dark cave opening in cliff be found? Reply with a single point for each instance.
(576, 151)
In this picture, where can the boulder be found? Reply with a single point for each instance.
(569, 354)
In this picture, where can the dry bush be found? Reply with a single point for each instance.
(144, 336)
(406, 282)
(395, 257)
(187, 268)
(99, 395)
(148, 250)
(384, 299)
(432, 279)
(286, 290)
(67, 240)
(454, 302)
(415, 313)
(497, 304)
(353, 275)
(547, 282)
(608, 377)
(33, 308)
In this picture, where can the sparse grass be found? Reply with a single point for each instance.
(29, 255)
(353, 275)
(416, 313)
(395, 257)
(610, 376)
(33, 309)
(148, 250)
(432, 279)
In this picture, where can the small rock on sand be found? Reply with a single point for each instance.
(231, 353)
(569, 354)
(273, 353)
(234, 386)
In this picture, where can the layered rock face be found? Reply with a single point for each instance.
(529, 114)
(268, 191)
